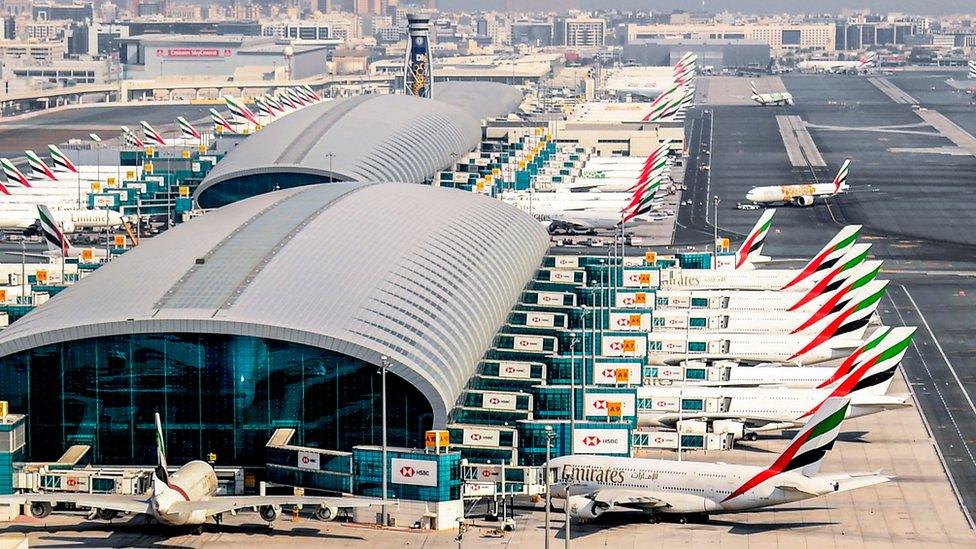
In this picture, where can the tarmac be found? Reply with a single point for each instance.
(912, 184)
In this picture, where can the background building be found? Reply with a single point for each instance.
(780, 36)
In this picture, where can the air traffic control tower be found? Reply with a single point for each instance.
(417, 77)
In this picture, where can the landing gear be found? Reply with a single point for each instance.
(197, 530)
(683, 519)
(218, 518)
(751, 436)
(655, 519)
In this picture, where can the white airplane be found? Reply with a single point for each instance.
(845, 331)
(774, 98)
(817, 300)
(744, 321)
(186, 497)
(801, 195)
(750, 410)
(820, 271)
(888, 344)
(866, 61)
(70, 220)
(592, 485)
(589, 219)
(24, 193)
(59, 245)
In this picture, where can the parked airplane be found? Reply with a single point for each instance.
(843, 332)
(746, 411)
(187, 131)
(186, 497)
(774, 98)
(894, 341)
(69, 220)
(825, 298)
(591, 216)
(131, 139)
(592, 485)
(745, 321)
(240, 110)
(152, 135)
(972, 68)
(801, 195)
(59, 245)
(867, 61)
(820, 271)
(220, 123)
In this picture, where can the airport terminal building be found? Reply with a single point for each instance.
(275, 312)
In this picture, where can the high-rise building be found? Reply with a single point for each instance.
(580, 31)
(417, 65)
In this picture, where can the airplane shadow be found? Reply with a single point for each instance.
(852, 436)
(136, 533)
(746, 528)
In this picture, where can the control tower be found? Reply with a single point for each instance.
(417, 77)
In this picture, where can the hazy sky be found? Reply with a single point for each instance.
(932, 7)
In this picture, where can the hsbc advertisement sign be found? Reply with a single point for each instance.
(308, 460)
(540, 320)
(566, 261)
(414, 471)
(515, 370)
(480, 437)
(635, 345)
(634, 300)
(549, 298)
(642, 278)
(562, 276)
(601, 441)
(499, 401)
(617, 373)
(597, 404)
(630, 322)
(527, 343)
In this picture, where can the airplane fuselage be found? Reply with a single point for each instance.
(798, 195)
(195, 481)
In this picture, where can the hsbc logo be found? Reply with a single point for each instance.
(659, 439)
(494, 400)
(628, 301)
(661, 404)
(599, 405)
(616, 346)
(475, 436)
(591, 441)
(306, 460)
(410, 472)
(538, 319)
(610, 372)
(623, 322)
(510, 370)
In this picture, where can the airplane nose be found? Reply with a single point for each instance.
(751, 195)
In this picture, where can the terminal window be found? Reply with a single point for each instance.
(791, 38)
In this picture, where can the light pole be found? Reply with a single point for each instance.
(550, 435)
(583, 361)
(385, 365)
(572, 386)
(715, 227)
(566, 509)
(330, 156)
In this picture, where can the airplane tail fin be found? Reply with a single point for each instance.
(39, 167)
(840, 291)
(840, 180)
(829, 255)
(884, 350)
(13, 174)
(53, 235)
(239, 109)
(186, 129)
(751, 248)
(220, 122)
(161, 464)
(152, 134)
(972, 68)
(131, 139)
(808, 448)
(755, 92)
(61, 160)
(855, 316)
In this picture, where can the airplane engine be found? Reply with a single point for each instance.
(68, 227)
(106, 514)
(803, 201)
(40, 509)
(269, 513)
(326, 513)
(585, 508)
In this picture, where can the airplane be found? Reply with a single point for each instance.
(592, 485)
(894, 341)
(593, 216)
(972, 68)
(69, 220)
(185, 497)
(819, 272)
(801, 195)
(58, 243)
(826, 297)
(867, 61)
(754, 409)
(746, 321)
(774, 98)
(844, 331)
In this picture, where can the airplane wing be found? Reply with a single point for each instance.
(753, 422)
(223, 504)
(852, 481)
(631, 499)
(125, 504)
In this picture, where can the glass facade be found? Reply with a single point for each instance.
(216, 393)
(247, 186)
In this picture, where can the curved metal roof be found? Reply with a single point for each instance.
(366, 138)
(349, 267)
